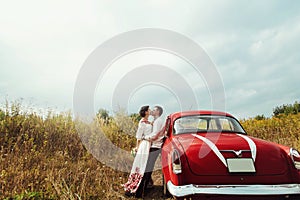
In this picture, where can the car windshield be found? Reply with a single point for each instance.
(207, 123)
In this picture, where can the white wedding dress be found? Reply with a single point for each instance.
(140, 160)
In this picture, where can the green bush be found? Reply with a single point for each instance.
(287, 109)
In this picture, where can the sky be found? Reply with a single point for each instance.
(254, 46)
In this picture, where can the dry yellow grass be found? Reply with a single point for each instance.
(44, 158)
(284, 129)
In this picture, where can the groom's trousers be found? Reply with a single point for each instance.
(153, 154)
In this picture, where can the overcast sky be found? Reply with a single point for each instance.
(254, 45)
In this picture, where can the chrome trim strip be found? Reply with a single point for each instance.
(252, 145)
(213, 148)
(281, 189)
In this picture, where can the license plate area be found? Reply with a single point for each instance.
(240, 165)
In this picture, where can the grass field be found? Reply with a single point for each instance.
(44, 157)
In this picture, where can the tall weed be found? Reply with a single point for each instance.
(47, 157)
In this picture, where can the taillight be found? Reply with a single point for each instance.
(295, 157)
(176, 162)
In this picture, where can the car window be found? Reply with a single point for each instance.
(207, 123)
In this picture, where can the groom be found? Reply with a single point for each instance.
(156, 139)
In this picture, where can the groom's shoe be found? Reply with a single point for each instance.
(150, 184)
(128, 194)
(140, 191)
(139, 196)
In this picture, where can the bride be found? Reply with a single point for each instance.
(140, 160)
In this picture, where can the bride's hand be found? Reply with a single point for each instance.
(134, 151)
(146, 138)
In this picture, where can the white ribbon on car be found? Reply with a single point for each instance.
(215, 149)
(251, 145)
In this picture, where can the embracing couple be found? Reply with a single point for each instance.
(149, 141)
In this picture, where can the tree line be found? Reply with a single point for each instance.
(285, 109)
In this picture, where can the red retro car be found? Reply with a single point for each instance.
(208, 154)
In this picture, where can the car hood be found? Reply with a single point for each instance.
(207, 153)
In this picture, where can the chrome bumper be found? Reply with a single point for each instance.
(185, 190)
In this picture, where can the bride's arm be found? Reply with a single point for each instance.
(156, 136)
(139, 134)
(158, 131)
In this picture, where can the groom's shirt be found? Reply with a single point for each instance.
(157, 133)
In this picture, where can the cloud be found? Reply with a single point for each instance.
(258, 58)
(254, 44)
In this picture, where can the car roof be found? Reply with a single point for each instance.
(197, 112)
